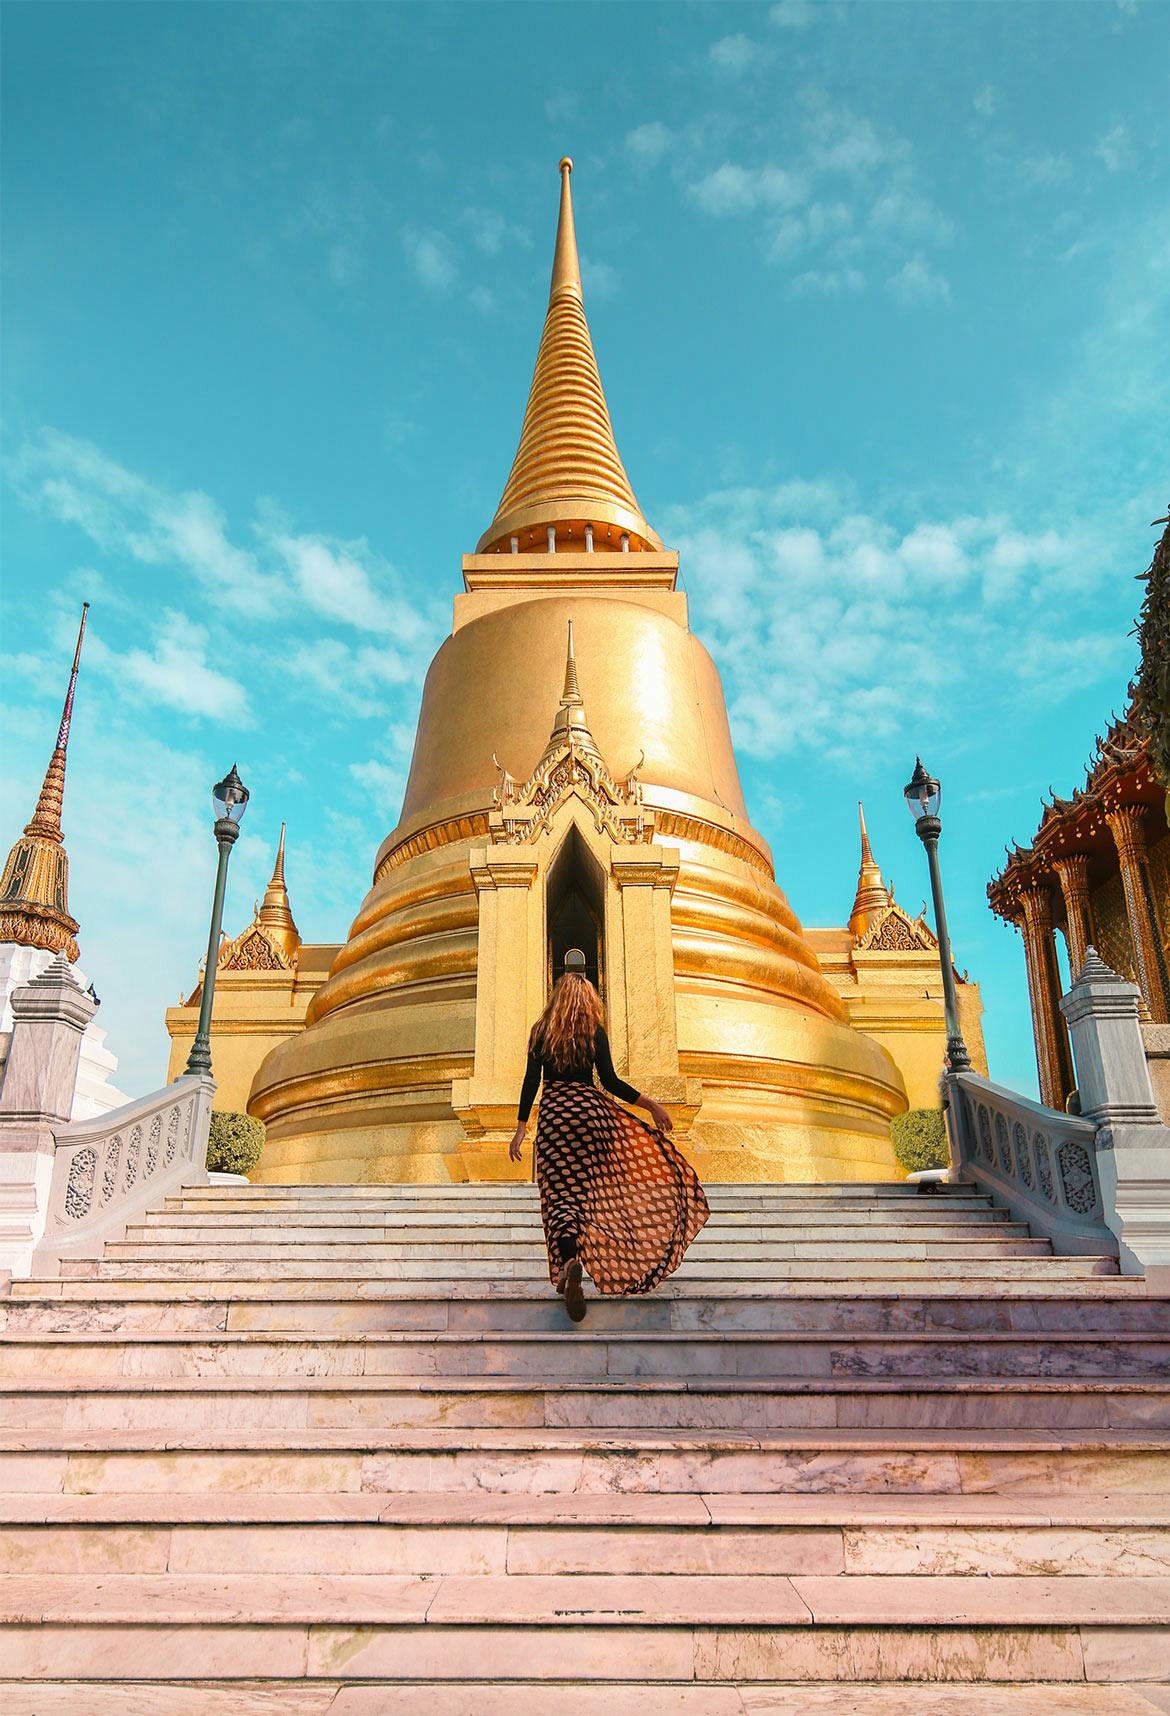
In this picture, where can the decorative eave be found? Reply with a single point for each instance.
(1118, 774)
(571, 765)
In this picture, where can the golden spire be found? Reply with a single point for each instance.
(34, 888)
(567, 475)
(275, 914)
(570, 722)
(872, 894)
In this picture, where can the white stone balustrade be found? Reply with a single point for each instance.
(67, 1187)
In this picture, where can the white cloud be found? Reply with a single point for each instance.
(731, 189)
(828, 282)
(733, 54)
(1045, 171)
(986, 100)
(905, 214)
(916, 282)
(599, 280)
(432, 258)
(649, 143)
(815, 225)
(483, 300)
(792, 14)
(881, 630)
(491, 233)
(848, 144)
(174, 673)
(1115, 150)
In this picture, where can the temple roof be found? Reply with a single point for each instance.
(34, 886)
(1117, 773)
(567, 472)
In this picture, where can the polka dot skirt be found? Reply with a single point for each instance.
(617, 1186)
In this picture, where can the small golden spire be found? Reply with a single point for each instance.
(567, 475)
(275, 914)
(34, 887)
(570, 720)
(872, 894)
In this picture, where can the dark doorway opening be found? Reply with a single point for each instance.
(575, 910)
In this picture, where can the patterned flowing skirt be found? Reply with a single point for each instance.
(617, 1186)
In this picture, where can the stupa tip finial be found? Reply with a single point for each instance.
(278, 867)
(866, 850)
(566, 273)
(274, 912)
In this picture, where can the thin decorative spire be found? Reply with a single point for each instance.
(570, 720)
(275, 913)
(872, 896)
(34, 887)
(567, 485)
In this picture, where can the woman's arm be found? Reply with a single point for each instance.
(527, 1097)
(618, 1086)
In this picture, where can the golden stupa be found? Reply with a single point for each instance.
(573, 782)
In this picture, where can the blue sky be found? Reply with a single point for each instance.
(881, 299)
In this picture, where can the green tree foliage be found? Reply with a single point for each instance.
(920, 1139)
(1153, 682)
(234, 1143)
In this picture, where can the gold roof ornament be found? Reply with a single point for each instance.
(272, 940)
(570, 725)
(568, 487)
(34, 886)
(872, 897)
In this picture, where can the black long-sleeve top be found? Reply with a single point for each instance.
(601, 1057)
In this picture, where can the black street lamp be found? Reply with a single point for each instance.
(230, 798)
(922, 795)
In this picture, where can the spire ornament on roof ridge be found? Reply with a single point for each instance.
(872, 896)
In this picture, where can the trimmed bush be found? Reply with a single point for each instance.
(920, 1139)
(234, 1143)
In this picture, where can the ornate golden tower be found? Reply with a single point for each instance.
(34, 888)
(624, 832)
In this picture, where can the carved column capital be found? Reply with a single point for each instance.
(1126, 826)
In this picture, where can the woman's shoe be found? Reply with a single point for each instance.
(570, 1284)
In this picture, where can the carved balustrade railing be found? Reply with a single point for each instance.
(1039, 1163)
(109, 1170)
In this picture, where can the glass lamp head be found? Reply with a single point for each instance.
(923, 793)
(230, 797)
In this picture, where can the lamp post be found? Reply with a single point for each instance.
(922, 796)
(229, 797)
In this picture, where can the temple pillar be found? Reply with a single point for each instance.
(509, 995)
(1053, 1055)
(645, 879)
(1073, 872)
(1125, 824)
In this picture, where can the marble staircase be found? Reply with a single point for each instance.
(304, 1449)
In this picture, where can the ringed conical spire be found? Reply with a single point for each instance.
(34, 886)
(872, 894)
(275, 913)
(568, 487)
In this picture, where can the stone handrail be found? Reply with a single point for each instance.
(108, 1170)
(1040, 1163)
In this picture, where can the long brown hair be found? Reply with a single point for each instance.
(566, 1031)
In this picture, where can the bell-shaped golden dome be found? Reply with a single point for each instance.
(567, 475)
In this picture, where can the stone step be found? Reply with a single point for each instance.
(741, 1466)
(168, 1404)
(897, 1267)
(517, 1191)
(396, 1697)
(1101, 1307)
(366, 1224)
(575, 1354)
(488, 1253)
(912, 1536)
(665, 1628)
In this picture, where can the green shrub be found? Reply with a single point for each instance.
(234, 1143)
(920, 1139)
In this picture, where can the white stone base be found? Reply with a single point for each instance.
(94, 1093)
